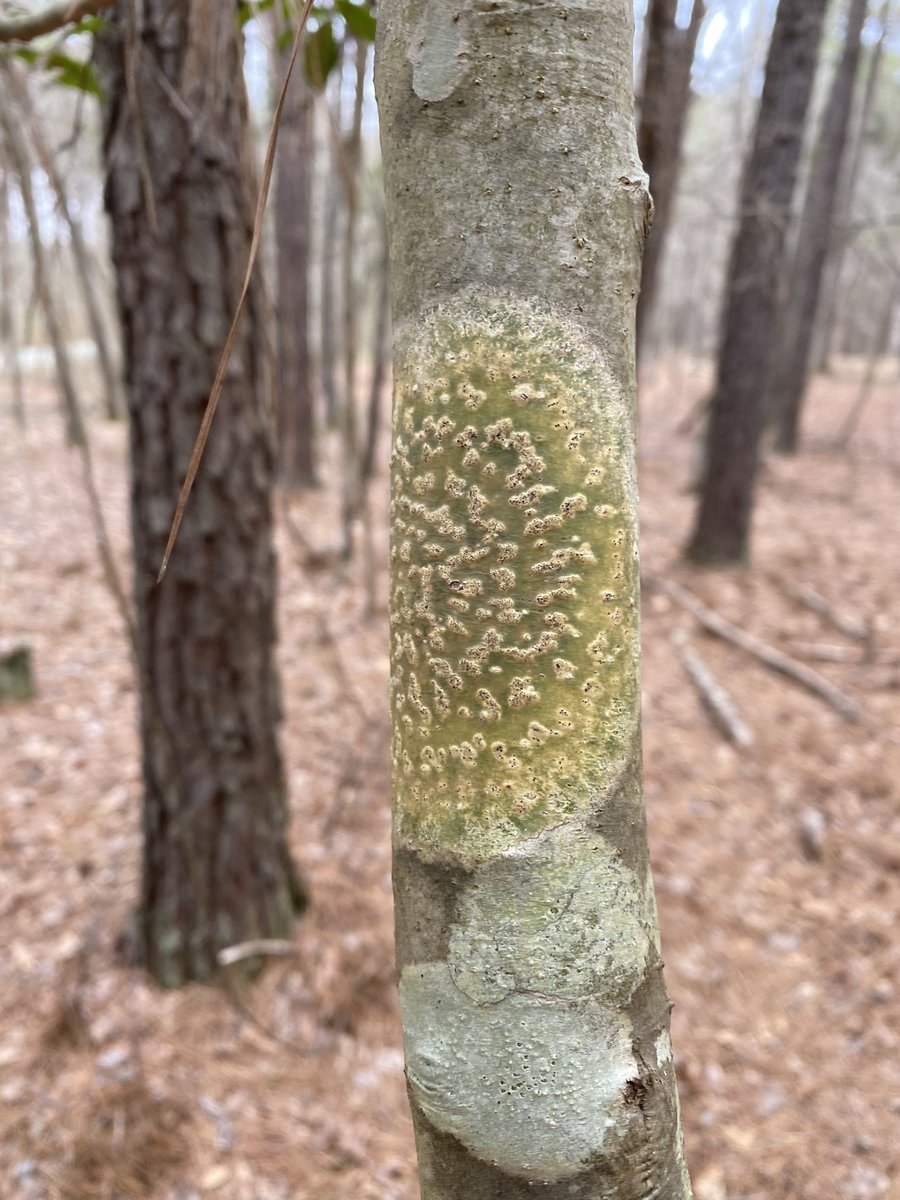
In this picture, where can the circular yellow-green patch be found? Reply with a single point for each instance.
(514, 578)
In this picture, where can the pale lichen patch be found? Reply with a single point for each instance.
(531, 1086)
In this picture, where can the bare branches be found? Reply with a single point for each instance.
(720, 705)
(23, 27)
(775, 660)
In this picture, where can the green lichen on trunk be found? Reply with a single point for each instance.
(514, 577)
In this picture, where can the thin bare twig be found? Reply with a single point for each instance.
(24, 27)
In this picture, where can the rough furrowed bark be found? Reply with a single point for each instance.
(216, 869)
(535, 1017)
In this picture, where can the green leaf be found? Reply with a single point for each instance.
(285, 40)
(359, 20)
(26, 54)
(72, 72)
(90, 25)
(320, 54)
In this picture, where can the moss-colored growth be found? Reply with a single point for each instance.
(514, 560)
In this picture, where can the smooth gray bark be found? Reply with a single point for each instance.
(535, 1016)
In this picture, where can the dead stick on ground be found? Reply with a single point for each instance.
(857, 631)
(717, 701)
(259, 947)
(774, 659)
(819, 652)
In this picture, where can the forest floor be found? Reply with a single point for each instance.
(777, 867)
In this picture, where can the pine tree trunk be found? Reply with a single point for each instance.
(535, 1015)
(749, 321)
(216, 868)
(791, 369)
(665, 100)
(293, 185)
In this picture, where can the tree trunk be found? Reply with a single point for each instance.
(17, 154)
(216, 869)
(791, 369)
(350, 453)
(850, 177)
(535, 1016)
(9, 340)
(665, 100)
(293, 186)
(105, 359)
(749, 321)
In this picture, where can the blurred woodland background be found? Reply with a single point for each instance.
(769, 394)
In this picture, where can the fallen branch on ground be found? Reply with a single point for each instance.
(857, 631)
(717, 701)
(774, 659)
(257, 948)
(819, 652)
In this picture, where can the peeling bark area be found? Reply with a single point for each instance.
(737, 409)
(535, 1020)
(216, 868)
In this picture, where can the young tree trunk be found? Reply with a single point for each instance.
(850, 177)
(17, 154)
(293, 186)
(9, 341)
(105, 357)
(535, 1016)
(216, 868)
(352, 151)
(665, 99)
(749, 320)
(791, 368)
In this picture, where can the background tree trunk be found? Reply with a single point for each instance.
(737, 414)
(216, 868)
(535, 1016)
(109, 373)
(293, 224)
(850, 178)
(791, 370)
(665, 100)
(18, 157)
(9, 339)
